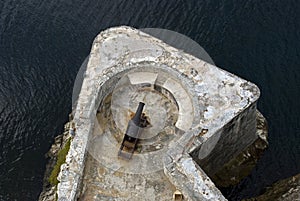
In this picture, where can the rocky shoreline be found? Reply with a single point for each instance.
(283, 190)
(49, 191)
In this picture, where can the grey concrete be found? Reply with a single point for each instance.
(217, 106)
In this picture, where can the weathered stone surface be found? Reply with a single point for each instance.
(101, 183)
(219, 108)
(284, 190)
(185, 173)
(188, 177)
(241, 166)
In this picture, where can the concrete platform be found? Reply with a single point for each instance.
(198, 112)
(104, 184)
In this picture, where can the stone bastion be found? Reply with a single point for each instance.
(201, 117)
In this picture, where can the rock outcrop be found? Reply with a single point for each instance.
(284, 190)
(49, 191)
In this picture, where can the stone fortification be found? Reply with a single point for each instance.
(215, 117)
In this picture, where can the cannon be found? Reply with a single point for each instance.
(132, 133)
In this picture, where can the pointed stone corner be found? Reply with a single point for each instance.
(215, 117)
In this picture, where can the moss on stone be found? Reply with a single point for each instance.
(61, 157)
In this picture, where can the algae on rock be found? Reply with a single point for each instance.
(61, 157)
(56, 156)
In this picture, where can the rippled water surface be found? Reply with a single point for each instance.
(43, 43)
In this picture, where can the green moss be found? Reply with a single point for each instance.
(61, 157)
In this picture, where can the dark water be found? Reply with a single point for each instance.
(43, 43)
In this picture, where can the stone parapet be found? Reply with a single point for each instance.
(216, 109)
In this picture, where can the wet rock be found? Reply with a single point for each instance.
(283, 190)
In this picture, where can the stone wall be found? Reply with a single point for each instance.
(223, 110)
(228, 141)
(241, 166)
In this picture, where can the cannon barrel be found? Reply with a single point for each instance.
(133, 126)
(132, 133)
(137, 117)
